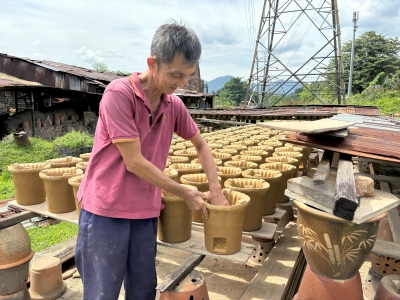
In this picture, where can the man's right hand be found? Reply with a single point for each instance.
(196, 201)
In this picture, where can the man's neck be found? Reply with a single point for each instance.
(153, 94)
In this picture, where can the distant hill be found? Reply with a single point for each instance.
(217, 83)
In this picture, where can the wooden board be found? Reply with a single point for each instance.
(390, 249)
(273, 276)
(196, 245)
(322, 197)
(275, 217)
(370, 160)
(41, 209)
(338, 133)
(322, 125)
(323, 168)
(17, 218)
(266, 231)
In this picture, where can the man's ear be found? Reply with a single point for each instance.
(152, 63)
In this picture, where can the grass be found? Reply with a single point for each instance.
(74, 139)
(44, 237)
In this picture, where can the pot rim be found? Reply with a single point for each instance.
(18, 263)
(330, 217)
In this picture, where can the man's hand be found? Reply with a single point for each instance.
(218, 199)
(196, 201)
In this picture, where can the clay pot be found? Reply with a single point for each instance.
(262, 137)
(253, 158)
(44, 124)
(60, 196)
(62, 119)
(16, 253)
(242, 164)
(224, 225)
(273, 144)
(217, 161)
(287, 173)
(273, 178)
(170, 152)
(175, 221)
(75, 182)
(385, 265)
(223, 142)
(371, 285)
(20, 295)
(72, 117)
(192, 287)
(296, 155)
(226, 150)
(228, 172)
(222, 156)
(187, 144)
(178, 159)
(306, 155)
(56, 120)
(256, 189)
(334, 247)
(38, 123)
(261, 250)
(267, 148)
(186, 153)
(200, 181)
(64, 162)
(85, 156)
(46, 279)
(177, 147)
(238, 147)
(82, 165)
(25, 124)
(315, 286)
(388, 288)
(286, 160)
(172, 174)
(29, 188)
(252, 152)
(186, 168)
(215, 146)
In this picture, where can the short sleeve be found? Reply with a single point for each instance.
(185, 126)
(117, 113)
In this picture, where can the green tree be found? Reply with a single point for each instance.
(101, 67)
(233, 91)
(373, 53)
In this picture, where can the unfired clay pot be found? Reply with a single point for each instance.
(224, 225)
(215, 146)
(256, 189)
(294, 154)
(75, 182)
(178, 159)
(217, 161)
(85, 156)
(82, 165)
(273, 177)
(16, 253)
(253, 158)
(242, 164)
(267, 148)
(46, 279)
(274, 144)
(177, 147)
(253, 152)
(29, 188)
(222, 156)
(334, 247)
(173, 174)
(286, 160)
(60, 196)
(187, 153)
(186, 168)
(226, 150)
(64, 162)
(287, 173)
(228, 172)
(175, 221)
(200, 181)
(237, 147)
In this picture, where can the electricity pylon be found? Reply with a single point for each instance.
(290, 53)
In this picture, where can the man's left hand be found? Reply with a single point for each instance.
(218, 199)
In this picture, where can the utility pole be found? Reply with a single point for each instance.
(355, 19)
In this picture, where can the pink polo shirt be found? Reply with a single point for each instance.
(108, 189)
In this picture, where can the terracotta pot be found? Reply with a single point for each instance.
(186, 153)
(371, 285)
(64, 162)
(200, 181)
(217, 161)
(242, 164)
(20, 295)
(296, 155)
(385, 265)
(224, 225)
(178, 159)
(253, 158)
(46, 279)
(226, 150)
(256, 189)
(222, 156)
(72, 117)
(75, 182)
(29, 188)
(273, 178)
(60, 196)
(388, 288)
(192, 287)
(16, 253)
(175, 221)
(334, 247)
(25, 124)
(85, 156)
(82, 165)
(44, 124)
(228, 172)
(38, 123)
(62, 119)
(287, 173)
(261, 250)
(237, 147)
(186, 168)
(173, 174)
(316, 287)
(253, 152)
(286, 160)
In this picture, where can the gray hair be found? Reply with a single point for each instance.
(174, 39)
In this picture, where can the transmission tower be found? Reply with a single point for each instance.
(283, 61)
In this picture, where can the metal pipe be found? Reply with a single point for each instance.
(355, 19)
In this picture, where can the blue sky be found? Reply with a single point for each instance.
(118, 33)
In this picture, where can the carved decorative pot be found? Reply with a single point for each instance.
(29, 188)
(75, 182)
(64, 162)
(334, 247)
(224, 225)
(256, 189)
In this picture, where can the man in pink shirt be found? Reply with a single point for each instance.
(121, 191)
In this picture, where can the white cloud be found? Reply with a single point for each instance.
(36, 42)
(37, 56)
(88, 55)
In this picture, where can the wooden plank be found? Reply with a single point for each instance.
(390, 249)
(272, 277)
(171, 281)
(196, 245)
(275, 217)
(346, 200)
(323, 169)
(295, 278)
(322, 197)
(383, 178)
(370, 160)
(394, 223)
(335, 160)
(17, 218)
(337, 133)
(322, 125)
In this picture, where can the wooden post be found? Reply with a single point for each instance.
(323, 170)
(32, 111)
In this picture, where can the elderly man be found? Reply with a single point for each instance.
(121, 191)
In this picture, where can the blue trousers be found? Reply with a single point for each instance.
(110, 251)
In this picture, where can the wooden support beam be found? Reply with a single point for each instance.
(171, 281)
(346, 200)
(394, 223)
(335, 160)
(17, 218)
(370, 160)
(323, 170)
(383, 178)
(384, 248)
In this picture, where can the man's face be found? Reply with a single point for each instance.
(169, 77)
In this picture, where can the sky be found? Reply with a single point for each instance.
(119, 33)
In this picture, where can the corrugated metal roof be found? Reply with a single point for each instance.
(7, 80)
(189, 93)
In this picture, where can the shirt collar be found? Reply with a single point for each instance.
(134, 78)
